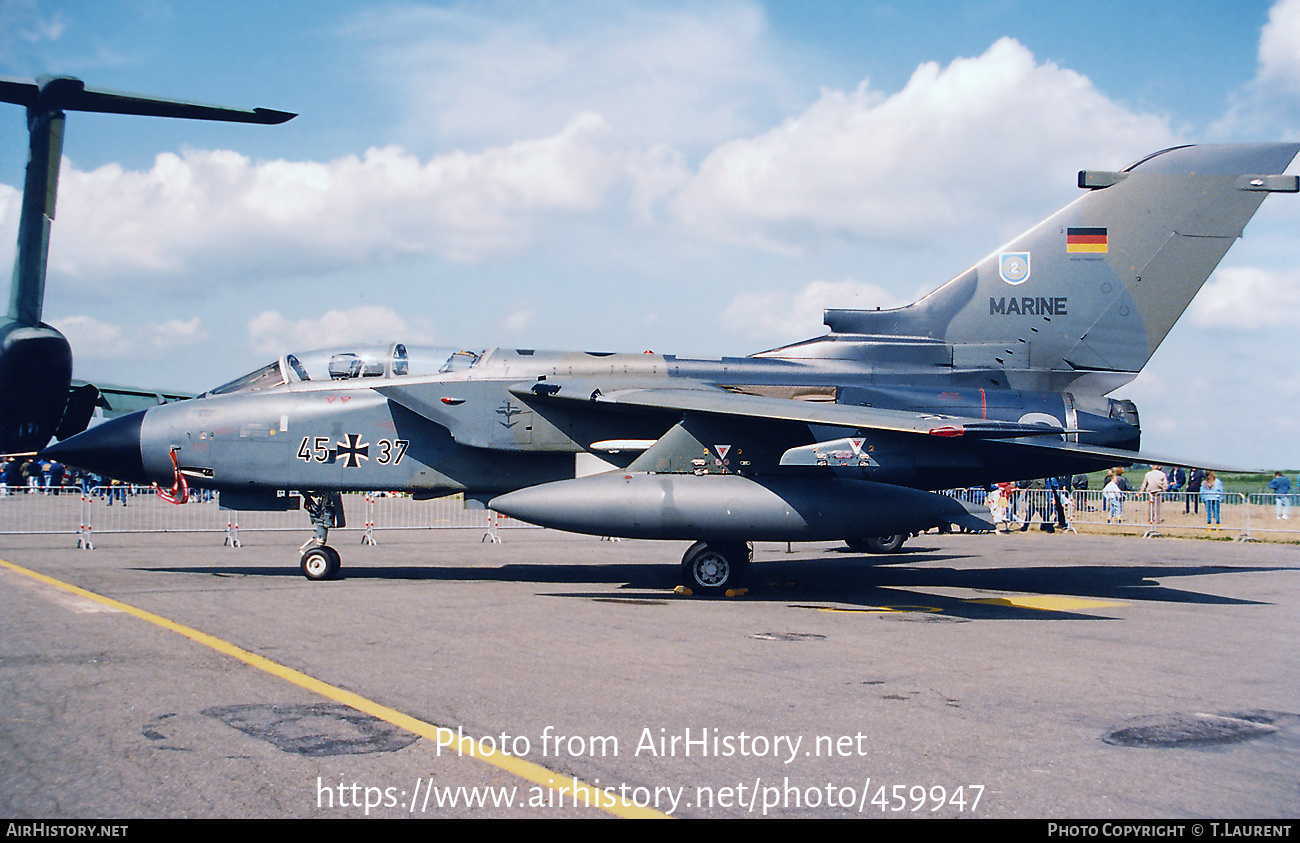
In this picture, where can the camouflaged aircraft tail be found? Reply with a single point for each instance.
(1095, 287)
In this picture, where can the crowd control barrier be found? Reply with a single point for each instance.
(1168, 513)
(138, 509)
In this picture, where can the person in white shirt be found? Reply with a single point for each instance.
(1114, 498)
(1154, 484)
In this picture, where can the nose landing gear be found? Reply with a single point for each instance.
(319, 560)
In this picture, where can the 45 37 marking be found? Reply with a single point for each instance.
(325, 449)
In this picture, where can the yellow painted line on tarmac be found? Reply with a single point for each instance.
(1042, 602)
(57, 596)
(1049, 602)
(875, 610)
(590, 795)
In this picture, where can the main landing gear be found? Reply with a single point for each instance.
(319, 560)
(878, 544)
(715, 567)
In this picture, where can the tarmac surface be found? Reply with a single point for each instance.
(1048, 676)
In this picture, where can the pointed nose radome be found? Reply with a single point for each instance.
(111, 449)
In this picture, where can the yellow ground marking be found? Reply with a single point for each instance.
(1049, 602)
(877, 610)
(57, 596)
(592, 796)
(1043, 602)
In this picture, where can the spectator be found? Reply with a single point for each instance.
(1177, 481)
(1035, 498)
(1154, 485)
(1212, 494)
(56, 476)
(1058, 489)
(997, 505)
(1192, 501)
(1280, 486)
(32, 471)
(1114, 498)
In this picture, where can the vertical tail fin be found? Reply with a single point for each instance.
(47, 99)
(1098, 285)
(35, 359)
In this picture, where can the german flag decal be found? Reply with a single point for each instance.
(1085, 240)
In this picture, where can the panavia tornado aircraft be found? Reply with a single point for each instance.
(36, 401)
(1000, 374)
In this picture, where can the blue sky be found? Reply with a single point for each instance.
(564, 174)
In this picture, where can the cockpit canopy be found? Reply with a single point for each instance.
(340, 364)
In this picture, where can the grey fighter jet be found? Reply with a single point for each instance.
(1000, 374)
(36, 401)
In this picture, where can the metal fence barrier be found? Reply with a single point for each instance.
(1171, 513)
(1271, 513)
(137, 509)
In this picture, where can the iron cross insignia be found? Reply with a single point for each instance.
(354, 450)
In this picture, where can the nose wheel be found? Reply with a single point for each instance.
(319, 560)
(321, 563)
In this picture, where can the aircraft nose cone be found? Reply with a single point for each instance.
(111, 449)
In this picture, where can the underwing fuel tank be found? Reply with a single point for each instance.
(731, 507)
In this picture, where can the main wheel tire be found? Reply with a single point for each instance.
(886, 544)
(715, 567)
(321, 563)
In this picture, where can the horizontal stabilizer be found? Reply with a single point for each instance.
(1119, 456)
(64, 93)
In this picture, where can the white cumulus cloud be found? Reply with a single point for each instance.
(985, 134)
(778, 316)
(206, 214)
(92, 338)
(487, 71)
(272, 333)
(1268, 107)
(1247, 298)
